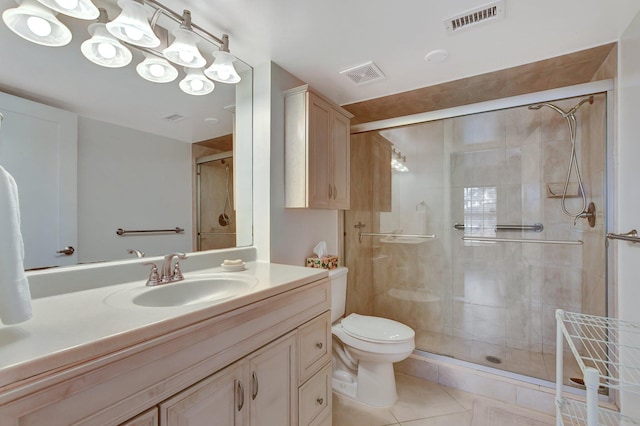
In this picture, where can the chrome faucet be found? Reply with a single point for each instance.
(172, 274)
(138, 253)
(169, 274)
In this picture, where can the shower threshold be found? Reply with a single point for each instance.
(499, 373)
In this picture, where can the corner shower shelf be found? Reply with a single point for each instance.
(596, 343)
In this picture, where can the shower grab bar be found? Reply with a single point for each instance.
(391, 234)
(175, 230)
(519, 240)
(631, 236)
(536, 227)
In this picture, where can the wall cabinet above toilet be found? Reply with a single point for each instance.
(317, 138)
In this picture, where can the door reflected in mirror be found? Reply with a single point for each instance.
(216, 217)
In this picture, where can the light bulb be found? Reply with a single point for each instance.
(67, 4)
(222, 69)
(224, 74)
(106, 50)
(134, 33)
(39, 26)
(197, 85)
(186, 56)
(156, 70)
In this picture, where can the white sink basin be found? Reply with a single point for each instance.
(210, 289)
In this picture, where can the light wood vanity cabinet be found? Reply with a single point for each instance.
(262, 389)
(314, 366)
(263, 364)
(259, 390)
(317, 138)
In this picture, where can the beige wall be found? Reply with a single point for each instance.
(281, 235)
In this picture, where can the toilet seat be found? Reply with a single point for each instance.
(376, 329)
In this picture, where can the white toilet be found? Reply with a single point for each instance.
(364, 349)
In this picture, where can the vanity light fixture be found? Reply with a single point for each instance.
(195, 83)
(103, 48)
(184, 49)
(111, 42)
(156, 70)
(36, 23)
(81, 9)
(222, 69)
(132, 25)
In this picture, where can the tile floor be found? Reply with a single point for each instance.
(420, 403)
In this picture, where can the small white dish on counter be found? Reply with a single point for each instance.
(233, 267)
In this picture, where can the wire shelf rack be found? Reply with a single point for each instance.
(597, 342)
(574, 413)
(608, 353)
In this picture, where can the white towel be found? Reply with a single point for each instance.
(15, 297)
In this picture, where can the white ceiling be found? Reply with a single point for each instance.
(313, 40)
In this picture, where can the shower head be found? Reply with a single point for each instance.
(575, 108)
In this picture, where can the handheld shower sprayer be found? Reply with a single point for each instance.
(587, 211)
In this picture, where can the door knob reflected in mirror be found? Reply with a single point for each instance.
(67, 251)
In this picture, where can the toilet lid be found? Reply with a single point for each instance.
(375, 329)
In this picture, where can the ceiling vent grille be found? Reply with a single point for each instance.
(365, 73)
(173, 118)
(482, 14)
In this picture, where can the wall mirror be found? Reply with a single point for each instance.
(130, 161)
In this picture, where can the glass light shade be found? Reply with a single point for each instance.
(184, 49)
(81, 9)
(104, 49)
(132, 25)
(34, 22)
(195, 83)
(157, 70)
(222, 69)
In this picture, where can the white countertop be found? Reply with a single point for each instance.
(70, 328)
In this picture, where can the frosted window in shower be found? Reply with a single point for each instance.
(480, 210)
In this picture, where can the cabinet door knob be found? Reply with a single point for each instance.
(330, 191)
(240, 395)
(319, 345)
(320, 401)
(255, 385)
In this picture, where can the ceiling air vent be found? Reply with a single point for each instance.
(365, 73)
(486, 13)
(173, 118)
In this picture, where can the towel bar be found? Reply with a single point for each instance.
(175, 230)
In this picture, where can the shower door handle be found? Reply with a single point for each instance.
(67, 251)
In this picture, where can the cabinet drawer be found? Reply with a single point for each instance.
(314, 345)
(315, 398)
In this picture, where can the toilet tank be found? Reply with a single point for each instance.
(338, 279)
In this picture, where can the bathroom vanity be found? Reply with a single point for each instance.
(259, 354)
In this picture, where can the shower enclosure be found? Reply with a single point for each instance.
(216, 224)
(491, 187)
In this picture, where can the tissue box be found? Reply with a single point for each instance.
(326, 262)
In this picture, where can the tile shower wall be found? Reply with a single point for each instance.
(472, 300)
(213, 187)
